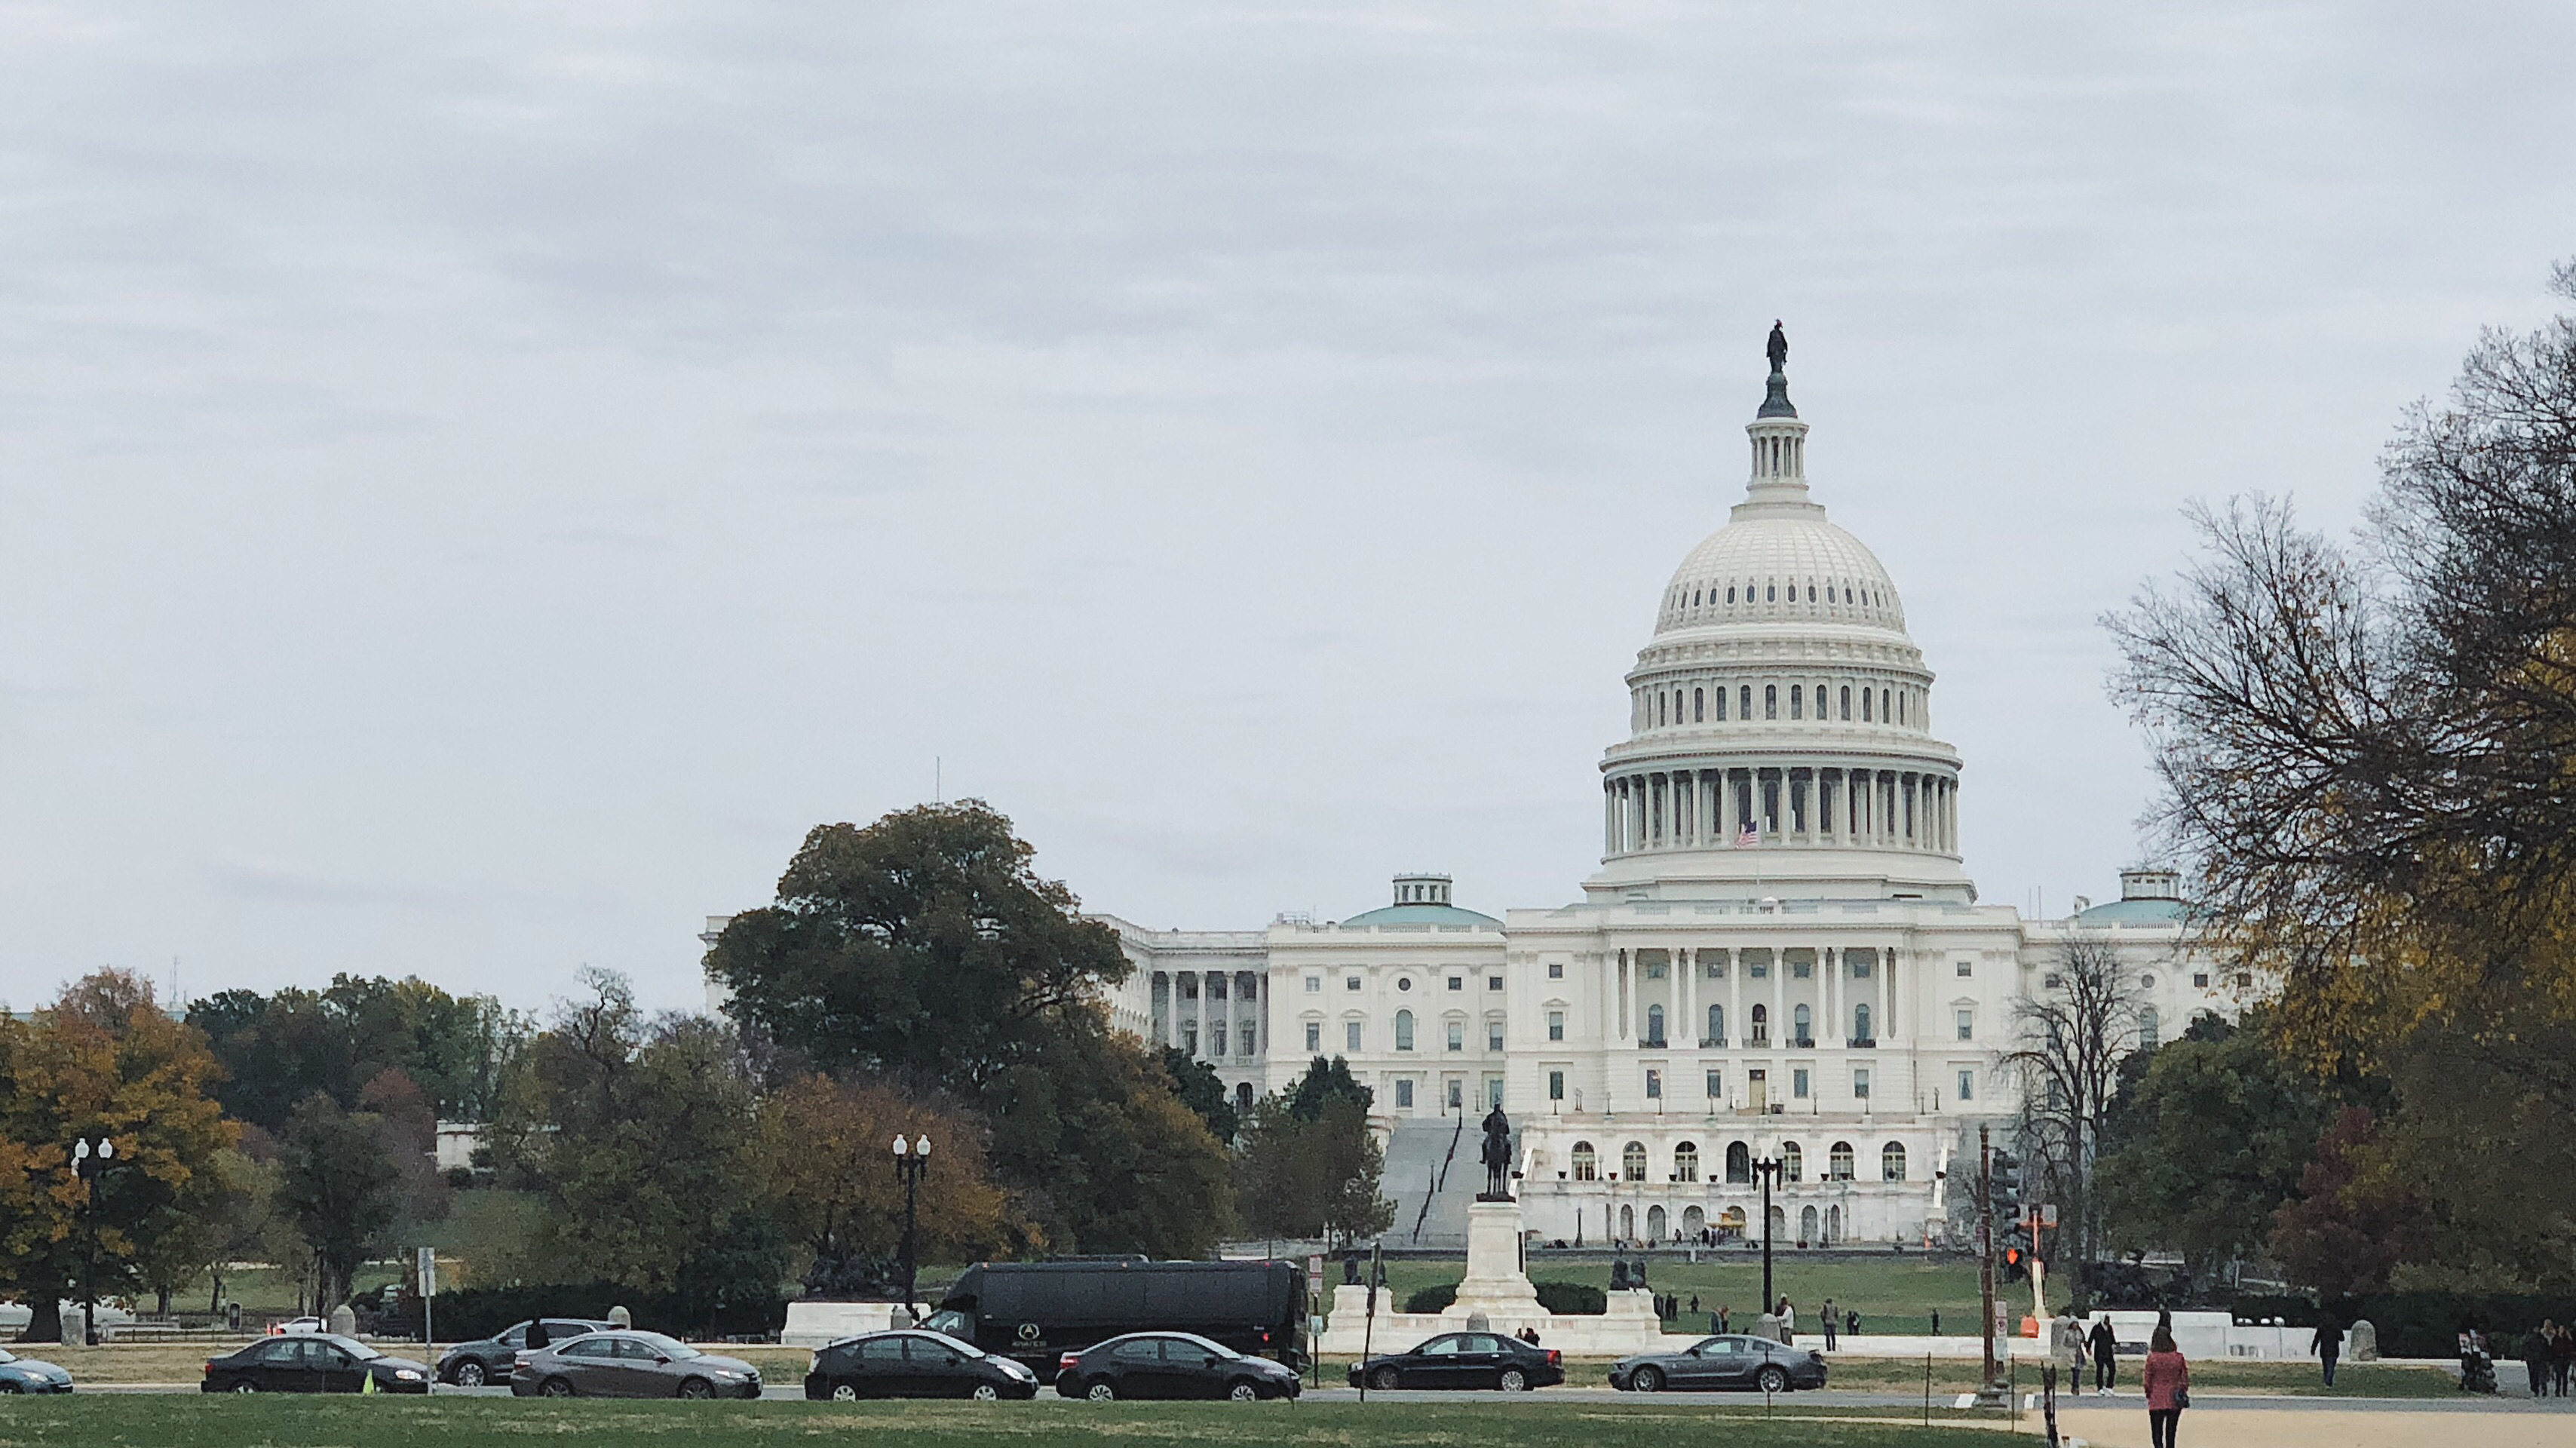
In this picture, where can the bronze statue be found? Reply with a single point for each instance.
(1778, 348)
(1498, 1156)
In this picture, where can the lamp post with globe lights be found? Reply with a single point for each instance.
(89, 1163)
(911, 1159)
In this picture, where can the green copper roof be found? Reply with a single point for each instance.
(1420, 915)
(2137, 912)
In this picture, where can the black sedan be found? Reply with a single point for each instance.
(28, 1375)
(1464, 1360)
(913, 1365)
(1721, 1362)
(488, 1359)
(313, 1362)
(1170, 1365)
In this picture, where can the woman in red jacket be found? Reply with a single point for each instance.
(2168, 1384)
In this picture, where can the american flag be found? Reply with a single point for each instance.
(1749, 837)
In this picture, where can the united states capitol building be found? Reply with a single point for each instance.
(1782, 954)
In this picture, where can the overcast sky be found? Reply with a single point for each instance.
(477, 482)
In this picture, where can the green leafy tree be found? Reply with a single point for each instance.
(279, 1049)
(1201, 1090)
(338, 1188)
(1324, 1082)
(1104, 1154)
(1308, 1164)
(2206, 1145)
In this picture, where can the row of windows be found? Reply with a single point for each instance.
(1801, 1025)
(1705, 704)
(1839, 592)
(1453, 1033)
(1840, 1162)
(1757, 1083)
(1315, 983)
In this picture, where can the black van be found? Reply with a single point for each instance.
(1036, 1312)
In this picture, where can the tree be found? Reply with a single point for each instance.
(1201, 1090)
(338, 1188)
(279, 1049)
(1105, 1156)
(1308, 1165)
(2353, 1221)
(922, 947)
(2206, 1146)
(2073, 1034)
(103, 1060)
(2364, 754)
(823, 1168)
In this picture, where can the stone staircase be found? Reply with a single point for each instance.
(1432, 1176)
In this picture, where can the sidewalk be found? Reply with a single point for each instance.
(2243, 1425)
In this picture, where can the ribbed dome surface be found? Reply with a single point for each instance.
(1776, 568)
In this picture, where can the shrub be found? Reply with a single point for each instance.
(473, 1312)
(1432, 1299)
(1567, 1298)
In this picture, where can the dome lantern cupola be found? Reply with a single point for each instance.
(1779, 480)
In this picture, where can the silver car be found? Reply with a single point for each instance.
(628, 1364)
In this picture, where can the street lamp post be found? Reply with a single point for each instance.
(1768, 1170)
(89, 1164)
(910, 1161)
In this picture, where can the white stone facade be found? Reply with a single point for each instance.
(1781, 955)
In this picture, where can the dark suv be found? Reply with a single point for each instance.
(487, 1360)
(1170, 1365)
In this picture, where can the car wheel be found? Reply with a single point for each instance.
(244, 1385)
(696, 1388)
(1774, 1379)
(469, 1374)
(986, 1393)
(12, 1385)
(554, 1388)
(1514, 1381)
(1646, 1380)
(1101, 1391)
(1386, 1380)
(845, 1392)
(1243, 1391)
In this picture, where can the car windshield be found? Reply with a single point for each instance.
(7, 1356)
(356, 1349)
(670, 1347)
(962, 1349)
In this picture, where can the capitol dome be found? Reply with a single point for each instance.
(1780, 716)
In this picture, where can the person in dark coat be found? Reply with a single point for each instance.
(2535, 1359)
(2327, 1344)
(2104, 1343)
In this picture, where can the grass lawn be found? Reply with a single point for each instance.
(179, 1422)
(1894, 1295)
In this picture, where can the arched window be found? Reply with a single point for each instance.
(1793, 1162)
(1243, 1096)
(1739, 1163)
(1864, 707)
(1632, 1162)
(1846, 703)
(1761, 1026)
(1885, 711)
(1628, 1223)
(1770, 701)
(1404, 1030)
(1721, 705)
(1699, 705)
(1659, 706)
(1770, 593)
(1686, 1162)
(1796, 711)
(1587, 1166)
(1655, 1220)
(2147, 1027)
(1891, 1162)
(1730, 593)
(1744, 703)
(1833, 1225)
(1807, 1225)
(1860, 1023)
(1654, 1025)
(1802, 1020)
(1838, 1162)
(1717, 1025)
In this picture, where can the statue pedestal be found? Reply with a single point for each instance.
(1496, 1283)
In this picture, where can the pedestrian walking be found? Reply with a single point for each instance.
(2167, 1379)
(1694, 1304)
(2327, 1344)
(1788, 1322)
(2536, 1346)
(1826, 1317)
(2106, 1364)
(1851, 1322)
(2066, 1350)
(2562, 1357)
(1936, 1322)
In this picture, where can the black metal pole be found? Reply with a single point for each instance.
(89, 1269)
(911, 1256)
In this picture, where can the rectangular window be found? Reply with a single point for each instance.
(1314, 1037)
(1967, 1085)
(1655, 971)
(1860, 966)
(1350, 982)
(1716, 1085)
(1555, 1085)
(1556, 1025)
(1967, 1025)
(1493, 982)
(1802, 969)
(1556, 970)
(1759, 969)
(1967, 968)
(1798, 1083)
(2200, 978)
(1244, 1039)
(1404, 1093)
(1654, 1084)
(1457, 1035)
(1860, 1082)
(1457, 1093)
(1493, 1035)
(1351, 1035)
(1457, 982)
(1314, 984)
(1494, 1092)
(1716, 968)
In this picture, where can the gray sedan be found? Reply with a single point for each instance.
(626, 1364)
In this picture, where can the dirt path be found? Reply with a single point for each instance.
(2257, 1427)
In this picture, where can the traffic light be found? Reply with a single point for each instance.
(2015, 1268)
(2005, 1177)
